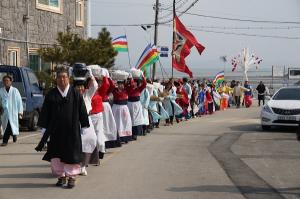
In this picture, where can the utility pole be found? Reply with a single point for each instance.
(173, 39)
(155, 35)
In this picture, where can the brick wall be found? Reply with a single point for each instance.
(43, 26)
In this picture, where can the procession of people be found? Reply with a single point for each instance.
(99, 110)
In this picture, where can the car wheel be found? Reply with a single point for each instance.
(265, 127)
(33, 122)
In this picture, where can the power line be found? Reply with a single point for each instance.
(171, 13)
(249, 28)
(243, 28)
(123, 25)
(171, 5)
(116, 25)
(121, 4)
(246, 34)
(241, 34)
(209, 27)
(202, 29)
(236, 19)
(182, 12)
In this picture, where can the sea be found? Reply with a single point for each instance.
(254, 76)
(273, 79)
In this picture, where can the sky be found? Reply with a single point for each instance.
(273, 51)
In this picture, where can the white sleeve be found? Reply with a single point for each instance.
(93, 88)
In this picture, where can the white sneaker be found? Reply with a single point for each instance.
(83, 171)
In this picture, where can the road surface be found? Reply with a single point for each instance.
(221, 156)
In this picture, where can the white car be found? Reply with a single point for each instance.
(283, 109)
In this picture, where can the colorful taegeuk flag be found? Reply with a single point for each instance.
(219, 78)
(120, 44)
(148, 57)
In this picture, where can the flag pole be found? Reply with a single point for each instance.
(128, 50)
(174, 13)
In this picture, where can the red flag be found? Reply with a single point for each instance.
(184, 40)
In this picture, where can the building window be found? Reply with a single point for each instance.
(14, 56)
(79, 12)
(36, 63)
(50, 5)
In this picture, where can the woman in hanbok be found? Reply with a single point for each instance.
(109, 123)
(201, 100)
(248, 94)
(182, 100)
(88, 135)
(137, 85)
(216, 99)
(209, 100)
(161, 95)
(151, 113)
(96, 114)
(193, 100)
(63, 114)
(153, 107)
(145, 100)
(169, 103)
(121, 112)
(224, 98)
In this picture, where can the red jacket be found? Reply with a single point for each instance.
(184, 101)
(136, 92)
(97, 100)
(118, 94)
(208, 97)
(105, 93)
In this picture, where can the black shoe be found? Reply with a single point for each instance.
(14, 138)
(134, 137)
(4, 144)
(71, 183)
(101, 155)
(298, 136)
(61, 181)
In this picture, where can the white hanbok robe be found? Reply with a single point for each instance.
(145, 100)
(109, 123)
(154, 109)
(163, 113)
(169, 101)
(217, 97)
(12, 105)
(88, 135)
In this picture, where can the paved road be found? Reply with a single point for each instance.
(224, 155)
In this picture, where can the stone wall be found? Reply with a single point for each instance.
(43, 26)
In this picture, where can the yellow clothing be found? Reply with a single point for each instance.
(228, 90)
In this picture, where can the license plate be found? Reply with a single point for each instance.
(288, 117)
